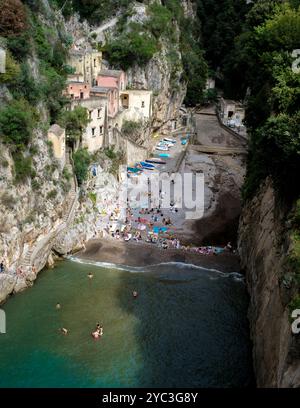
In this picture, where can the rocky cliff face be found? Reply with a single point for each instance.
(160, 76)
(29, 210)
(163, 75)
(263, 246)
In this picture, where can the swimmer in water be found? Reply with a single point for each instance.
(58, 306)
(135, 294)
(98, 332)
(64, 331)
(90, 275)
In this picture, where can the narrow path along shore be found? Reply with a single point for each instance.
(141, 254)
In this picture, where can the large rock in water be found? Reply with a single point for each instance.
(7, 283)
(20, 285)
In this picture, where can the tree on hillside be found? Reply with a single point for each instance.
(13, 17)
(74, 121)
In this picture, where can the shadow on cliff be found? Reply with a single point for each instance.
(222, 226)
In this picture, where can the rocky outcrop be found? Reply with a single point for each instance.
(165, 82)
(263, 247)
(30, 212)
(99, 199)
(7, 284)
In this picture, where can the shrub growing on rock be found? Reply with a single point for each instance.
(17, 121)
(82, 160)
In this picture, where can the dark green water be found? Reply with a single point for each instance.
(188, 328)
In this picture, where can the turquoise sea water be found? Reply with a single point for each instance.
(188, 328)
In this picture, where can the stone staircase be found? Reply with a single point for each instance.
(27, 261)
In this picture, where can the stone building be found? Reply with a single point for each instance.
(109, 78)
(94, 135)
(232, 111)
(75, 78)
(138, 103)
(57, 136)
(86, 63)
(112, 95)
(78, 90)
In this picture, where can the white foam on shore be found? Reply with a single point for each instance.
(137, 269)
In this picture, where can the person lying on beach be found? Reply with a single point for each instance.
(127, 237)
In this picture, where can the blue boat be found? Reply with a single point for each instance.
(156, 161)
(133, 170)
(164, 155)
(147, 165)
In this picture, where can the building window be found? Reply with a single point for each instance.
(93, 132)
(81, 95)
(99, 113)
(72, 96)
(95, 63)
(90, 114)
(101, 130)
(143, 104)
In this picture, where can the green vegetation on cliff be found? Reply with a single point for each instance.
(36, 51)
(273, 116)
(82, 160)
(74, 121)
(259, 68)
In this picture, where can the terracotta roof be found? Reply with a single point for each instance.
(102, 89)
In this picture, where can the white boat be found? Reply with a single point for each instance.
(170, 140)
(163, 143)
(162, 148)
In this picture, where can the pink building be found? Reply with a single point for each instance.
(109, 78)
(112, 95)
(78, 90)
